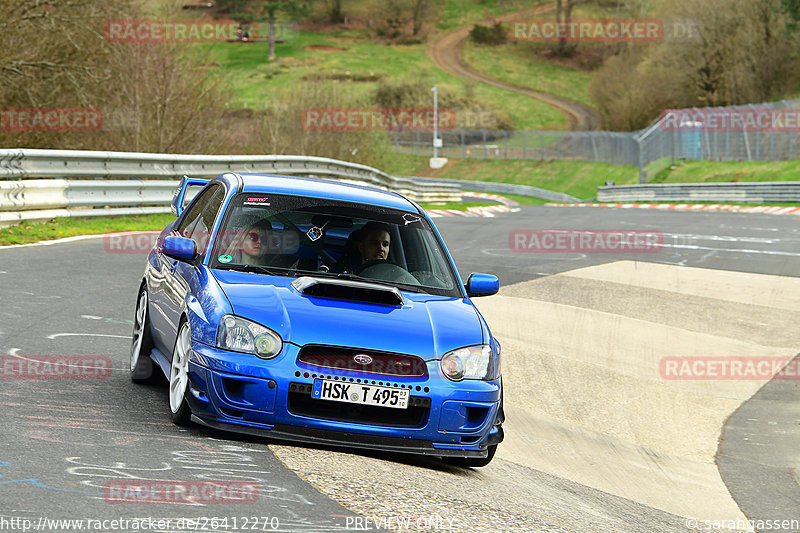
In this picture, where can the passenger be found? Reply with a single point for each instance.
(255, 243)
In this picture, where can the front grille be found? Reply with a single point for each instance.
(366, 361)
(300, 402)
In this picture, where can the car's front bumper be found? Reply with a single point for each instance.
(242, 393)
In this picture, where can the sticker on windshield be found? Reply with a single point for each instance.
(225, 258)
(410, 219)
(256, 200)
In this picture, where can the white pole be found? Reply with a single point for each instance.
(435, 120)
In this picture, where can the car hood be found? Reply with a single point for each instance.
(426, 325)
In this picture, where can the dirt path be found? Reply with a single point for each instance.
(446, 53)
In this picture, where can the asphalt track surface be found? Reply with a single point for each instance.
(65, 439)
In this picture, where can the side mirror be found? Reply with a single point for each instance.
(482, 285)
(179, 248)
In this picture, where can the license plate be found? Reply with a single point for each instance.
(360, 393)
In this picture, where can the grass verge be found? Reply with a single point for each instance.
(458, 206)
(581, 178)
(525, 200)
(60, 228)
(740, 171)
(760, 204)
(576, 178)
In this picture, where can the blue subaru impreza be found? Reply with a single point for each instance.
(318, 312)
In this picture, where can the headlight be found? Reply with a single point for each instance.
(473, 362)
(240, 335)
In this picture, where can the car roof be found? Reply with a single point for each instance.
(320, 188)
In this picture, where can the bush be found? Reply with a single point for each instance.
(493, 35)
(151, 96)
(720, 62)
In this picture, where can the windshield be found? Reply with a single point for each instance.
(294, 236)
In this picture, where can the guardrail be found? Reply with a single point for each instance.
(40, 199)
(772, 191)
(501, 188)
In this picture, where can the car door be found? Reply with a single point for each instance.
(167, 302)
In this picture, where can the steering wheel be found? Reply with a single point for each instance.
(383, 270)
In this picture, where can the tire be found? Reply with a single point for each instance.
(469, 462)
(179, 377)
(141, 365)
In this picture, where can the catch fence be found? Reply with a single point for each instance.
(762, 132)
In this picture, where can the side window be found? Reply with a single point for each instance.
(199, 220)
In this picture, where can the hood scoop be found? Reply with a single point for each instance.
(345, 289)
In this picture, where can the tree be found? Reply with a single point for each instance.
(265, 11)
(415, 11)
(724, 62)
(419, 12)
(334, 10)
(149, 96)
(563, 17)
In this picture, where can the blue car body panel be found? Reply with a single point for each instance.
(429, 324)
(244, 393)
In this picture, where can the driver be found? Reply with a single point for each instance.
(374, 243)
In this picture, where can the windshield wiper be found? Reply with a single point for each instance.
(252, 268)
(355, 277)
(343, 275)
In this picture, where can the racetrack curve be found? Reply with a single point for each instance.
(589, 446)
(445, 51)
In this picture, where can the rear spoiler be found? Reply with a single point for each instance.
(180, 199)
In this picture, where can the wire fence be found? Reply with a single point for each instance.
(763, 132)
(601, 146)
